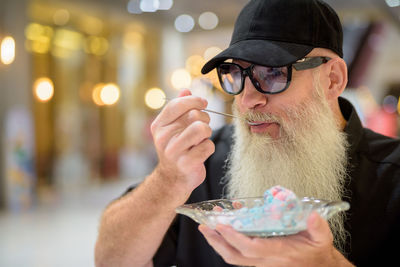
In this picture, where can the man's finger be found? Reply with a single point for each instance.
(177, 107)
(249, 247)
(193, 135)
(184, 92)
(217, 242)
(230, 254)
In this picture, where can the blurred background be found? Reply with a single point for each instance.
(82, 80)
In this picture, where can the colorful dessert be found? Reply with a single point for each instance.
(275, 212)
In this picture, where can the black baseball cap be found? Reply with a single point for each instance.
(277, 33)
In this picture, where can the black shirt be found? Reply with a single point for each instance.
(373, 220)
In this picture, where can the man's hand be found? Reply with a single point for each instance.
(313, 247)
(181, 136)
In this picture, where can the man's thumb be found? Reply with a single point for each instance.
(318, 229)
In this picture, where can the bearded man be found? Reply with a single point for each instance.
(285, 69)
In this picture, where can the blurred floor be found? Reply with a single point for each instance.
(61, 232)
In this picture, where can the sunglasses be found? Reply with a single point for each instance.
(267, 80)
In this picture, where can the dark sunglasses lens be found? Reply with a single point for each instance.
(270, 79)
(230, 77)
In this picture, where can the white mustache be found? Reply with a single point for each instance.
(262, 117)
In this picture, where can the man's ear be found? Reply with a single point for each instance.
(336, 69)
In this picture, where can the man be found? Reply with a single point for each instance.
(284, 65)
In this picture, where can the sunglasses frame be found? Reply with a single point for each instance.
(302, 64)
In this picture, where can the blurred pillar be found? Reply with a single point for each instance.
(14, 78)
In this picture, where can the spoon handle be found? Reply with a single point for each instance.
(212, 111)
(221, 113)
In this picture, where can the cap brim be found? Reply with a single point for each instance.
(261, 52)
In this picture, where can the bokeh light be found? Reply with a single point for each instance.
(61, 17)
(184, 23)
(398, 107)
(208, 20)
(110, 94)
(91, 25)
(211, 52)
(43, 89)
(96, 45)
(149, 5)
(194, 64)
(8, 50)
(133, 7)
(132, 39)
(96, 94)
(155, 98)
(165, 4)
(181, 79)
(139, 6)
(66, 43)
(393, 3)
(38, 38)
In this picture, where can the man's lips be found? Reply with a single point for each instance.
(253, 123)
(258, 123)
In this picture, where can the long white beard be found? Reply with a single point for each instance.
(309, 158)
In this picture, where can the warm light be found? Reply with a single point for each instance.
(194, 64)
(181, 79)
(61, 17)
(398, 106)
(132, 39)
(91, 25)
(211, 52)
(154, 98)
(208, 20)
(184, 23)
(7, 50)
(109, 94)
(43, 89)
(213, 78)
(68, 39)
(96, 45)
(66, 42)
(96, 94)
(38, 38)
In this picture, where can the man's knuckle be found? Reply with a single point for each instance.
(197, 125)
(210, 146)
(153, 127)
(201, 127)
(160, 137)
(208, 118)
(193, 115)
(169, 150)
(248, 252)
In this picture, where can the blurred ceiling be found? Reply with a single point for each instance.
(227, 10)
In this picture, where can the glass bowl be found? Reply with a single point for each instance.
(239, 213)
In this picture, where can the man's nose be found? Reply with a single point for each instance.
(250, 98)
